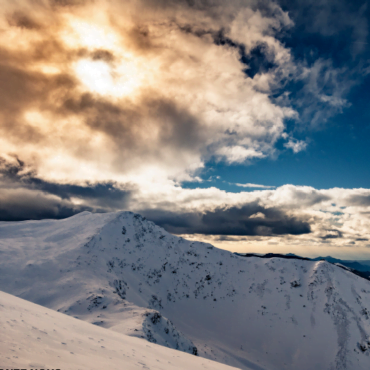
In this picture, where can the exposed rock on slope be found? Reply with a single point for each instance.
(122, 272)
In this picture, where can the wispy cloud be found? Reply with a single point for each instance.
(296, 145)
(249, 185)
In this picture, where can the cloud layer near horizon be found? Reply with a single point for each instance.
(290, 216)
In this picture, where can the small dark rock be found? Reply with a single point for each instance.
(295, 284)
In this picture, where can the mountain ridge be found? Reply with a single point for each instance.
(122, 272)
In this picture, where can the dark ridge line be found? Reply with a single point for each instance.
(272, 255)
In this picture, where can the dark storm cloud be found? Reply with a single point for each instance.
(23, 204)
(24, 196)
(250, 219)
(332, 234)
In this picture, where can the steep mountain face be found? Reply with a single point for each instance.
(122, 272)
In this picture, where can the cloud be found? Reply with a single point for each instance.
(249, 185)
(113, 91)
(332, 234)
(105, 82)
(296, 145)
(24, 196)
(324, 91)
(290, 216)
(24, 204)
(238, 154)
(286, 217)
(231, 221)
(359, 200)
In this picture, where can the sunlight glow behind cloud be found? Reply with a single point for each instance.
(92, 36)
(100, 78)
(138, 97)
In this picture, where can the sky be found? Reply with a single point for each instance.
(242, 123)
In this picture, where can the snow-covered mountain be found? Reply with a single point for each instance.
(33, 336)
(122, 272)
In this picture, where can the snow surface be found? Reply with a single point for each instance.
(122, 272)
(33, 336)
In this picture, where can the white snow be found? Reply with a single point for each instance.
(122, 272)
(33, 336)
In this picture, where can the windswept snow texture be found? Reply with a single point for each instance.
(122, 272)
(33, 336)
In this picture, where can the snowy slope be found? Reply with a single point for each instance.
(122, 272)
(33, 336)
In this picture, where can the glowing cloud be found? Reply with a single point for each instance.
(92, 36)
(99, 77)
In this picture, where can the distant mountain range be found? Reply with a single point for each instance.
(360, 268)
(121, 272)
(356, 265)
